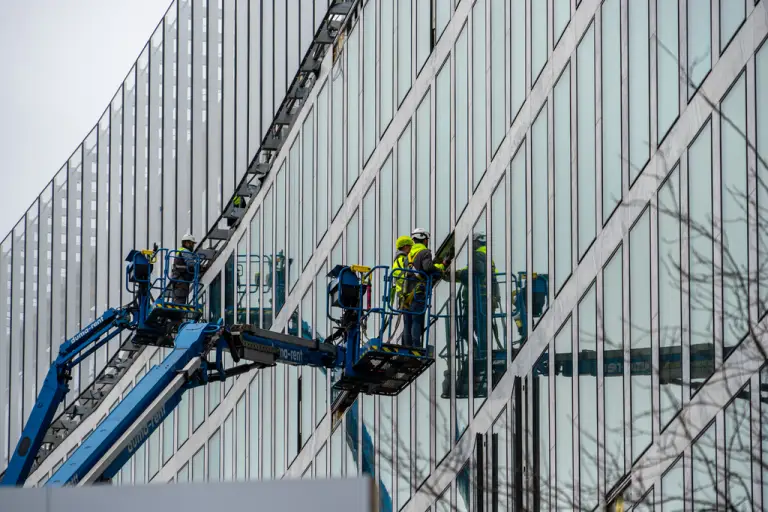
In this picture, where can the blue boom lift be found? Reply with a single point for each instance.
(363, 366)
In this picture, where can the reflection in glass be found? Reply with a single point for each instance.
(256, 280)
(281, 258)
(423, 32)
(241, 281)
(441, 336)
(464, 490)
(699, 32)
(443, 152)
(423, 162)
(424, 423)
(307, 374)
(293, 222)
(564, 416)
(404, 197)
(540, 199)
(668, 73)
(735, 234)
(336, 453)
(461, 53)
(519, 244)
(266, 434)
(563, 185)
(738, 451)
(670, 326)
(704, 469)
(610, 13)
(461, 366)
(761, 121)
(198, 465)
(588, 399)
(240, 440)
(321, 331)
(353, 229)
(403, 49)
(562, 16)
(501, 484)
(540, 413)
(732, 15)
(701, 280)
(478, 92)
(255, 441)
(613, 367)
(498, 72)
(479, 299)
(386, 459)
(585, 89)
(639, 332)
(228, 447)
(500, 279)
(352, 125)
(672, 488)
(639, 94)
(764, 424)
(337, 137)
(442, 16)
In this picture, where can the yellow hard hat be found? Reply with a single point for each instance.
(403, 241)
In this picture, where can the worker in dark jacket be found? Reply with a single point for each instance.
(183, 269)
(419, 259)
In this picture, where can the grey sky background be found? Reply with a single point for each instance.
(60, 64)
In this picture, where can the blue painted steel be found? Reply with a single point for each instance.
(55, 387)
(189, 344)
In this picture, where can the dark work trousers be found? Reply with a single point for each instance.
(414, 323)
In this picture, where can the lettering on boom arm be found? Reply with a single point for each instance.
(291, 356)
(149, 426)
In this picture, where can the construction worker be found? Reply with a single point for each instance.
(419, 259)
(238, 202)
(183, 269)
(403, 246)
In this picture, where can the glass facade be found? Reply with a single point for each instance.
(615, 222)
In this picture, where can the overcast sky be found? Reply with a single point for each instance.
(60, 64)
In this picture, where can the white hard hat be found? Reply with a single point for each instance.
(189, 237)
(420, 234)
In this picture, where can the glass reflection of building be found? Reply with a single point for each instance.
(581, 163)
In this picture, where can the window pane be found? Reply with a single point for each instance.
(168, 427)
(214, 454)
(442, 15)
(701, 269)
(562, 16)
(668, 74)
(266, 434)
(441, 336)
(307, 186)
(611, 105)
(732, 14)
(613, 357)
(241, 445)
(423, 163)
(268, 265)
(670, 326)
(541, 431)
(280, 420)
(498, 74)
(585, 88)
(443, 153)
(280, 253)
(704, 469)
(240, 281)
(404, 197)
(764, 428)
(403, 49)
(424, 423)
(423, 32)
(257, 274)
(386, 464)
(517, 67)
(563, 185)
(386, 73)
(699, 43)
(479, 290)
(539, 38)
(461, 356)
(738, 452)
(353, 228)
(307, 374)
(564, 416)
(292, 413)
(540, 198)
(588, 398)
(672, 490)
(321, 378)
(336, 447)
(502, 468)
(518, 234)
(761, 82)
(228, 447)
(369, 80)
(464, 490)
(500, 284)
(478, 92)
(639, 332)
(294, 215)
(403, 447)
(337, 140)
(198, 465)
(639, 96)
(462, 120)
(735, 234)
(321, 186)
(183, 416)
